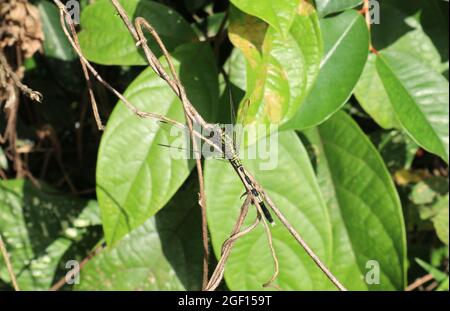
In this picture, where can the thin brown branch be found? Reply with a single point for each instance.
(156, 64)
(58, 285)
(125, 101)
(173, 82)
(272, 250)
(33, 95)
(12, 109)
(97, 118)
(303, 244)
(419, 282)
(227, 246)
(432, 286)
(94, 105)
(130, 106)
(9, 266)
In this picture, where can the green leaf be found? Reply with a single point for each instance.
(440, 220)
(213, 23)
(286, 174)
(420, 98)
(402, 30)
(135, 175)
(165, 253)
(427, 190)
(281, 69)
(346, 42)
(232, 91)
(412, 30)
(366, 215)
(443, 286)
(56, 44)
(235, 67)
(372, 96)
(436, 273)
(325, 7)
(278, 14)
(38, 226)
(104, 38)
(418, 44)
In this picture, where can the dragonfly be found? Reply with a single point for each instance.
(219, 138)
(229, 151)
(217, 135)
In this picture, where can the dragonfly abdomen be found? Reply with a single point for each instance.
(236, 163)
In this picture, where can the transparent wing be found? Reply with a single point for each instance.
(240, 124)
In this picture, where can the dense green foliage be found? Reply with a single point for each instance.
(362, 152)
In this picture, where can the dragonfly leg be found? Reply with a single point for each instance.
(244, 194)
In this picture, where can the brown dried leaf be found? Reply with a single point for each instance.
(20, 24)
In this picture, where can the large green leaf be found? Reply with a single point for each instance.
(366, 214)
(406, 30)
(281, 69)
(420, 98)
(346, 41)
(163, 254)
(39, 228)
(105, 39)
(135, 175)
(410, 27)
(325, 7)
(279, 14)
(290, 181)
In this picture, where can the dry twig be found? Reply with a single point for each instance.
(33, 95)
(58, 285)
(419, 282)
(202, 196)
(217, 275)
(303, 244)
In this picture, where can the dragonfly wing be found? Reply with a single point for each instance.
(240, 124)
